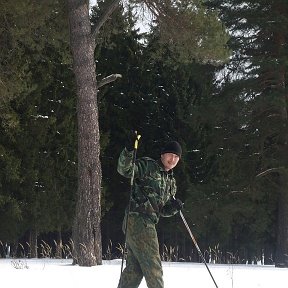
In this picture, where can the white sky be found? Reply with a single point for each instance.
(142, 23)
(92, 2)
(51, 273)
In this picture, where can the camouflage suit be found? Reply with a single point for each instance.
(151, 198)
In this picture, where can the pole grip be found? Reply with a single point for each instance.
(138, 136)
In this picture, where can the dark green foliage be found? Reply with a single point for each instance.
(230, 120)
(189, 30)
(38, 148)
(254, 89)
(159, 98)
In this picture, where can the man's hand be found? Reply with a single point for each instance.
(130, 140)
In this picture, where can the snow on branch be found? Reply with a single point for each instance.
(109, 79)
(268, 171)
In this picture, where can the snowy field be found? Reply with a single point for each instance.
(44, 273)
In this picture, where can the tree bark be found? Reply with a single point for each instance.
(59, 245)
(86, 229)
(33, 243)
(281, 259)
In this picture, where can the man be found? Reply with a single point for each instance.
(153, 195)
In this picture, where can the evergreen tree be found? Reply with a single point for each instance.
(87, 233)
(161, 98)
(33, 119)
(257, 82)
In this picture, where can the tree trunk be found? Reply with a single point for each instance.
(281, 259)
(59, 245)
(33, 243)
(86, 229)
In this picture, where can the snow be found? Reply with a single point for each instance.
(44, 273)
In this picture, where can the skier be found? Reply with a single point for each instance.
(152, 195)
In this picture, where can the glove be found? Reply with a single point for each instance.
(177, 204)
(130, 140)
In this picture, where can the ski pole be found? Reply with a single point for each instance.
(197, 247)
(138, 136)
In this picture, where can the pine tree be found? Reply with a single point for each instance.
(29, 116)
(159, 96)
(259, 59)
(87, 233)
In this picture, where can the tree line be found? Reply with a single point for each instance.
(231, 119)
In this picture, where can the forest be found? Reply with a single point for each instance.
(226, 105)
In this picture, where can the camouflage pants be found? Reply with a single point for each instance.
(143, 257)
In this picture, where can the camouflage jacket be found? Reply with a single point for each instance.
(153, 187)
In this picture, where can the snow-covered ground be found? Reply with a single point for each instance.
(32, 273)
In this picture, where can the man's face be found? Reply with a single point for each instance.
(169, 160)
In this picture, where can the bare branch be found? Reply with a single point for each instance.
(107, 13)
(160, 9)
(268, 171)
(153, 8)
(108, 79)
(237, 191)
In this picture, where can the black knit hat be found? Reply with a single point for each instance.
(172, 147)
